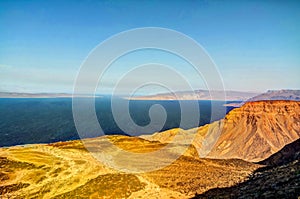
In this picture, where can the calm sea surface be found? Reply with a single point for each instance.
(44, 120)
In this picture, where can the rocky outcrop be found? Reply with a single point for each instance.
(252, 132)
(256, 130)
(276, 182)
(279, 179)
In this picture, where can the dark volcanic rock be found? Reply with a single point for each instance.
(280, 179)
(287, 154)
(278, 182)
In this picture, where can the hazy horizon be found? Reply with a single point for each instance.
(43, 44)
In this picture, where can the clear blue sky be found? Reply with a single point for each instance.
(255, 44)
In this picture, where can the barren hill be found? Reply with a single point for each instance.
(258, 129)
(252, 132)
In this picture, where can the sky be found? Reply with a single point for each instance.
(255, 45)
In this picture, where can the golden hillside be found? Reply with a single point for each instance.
(68, 170)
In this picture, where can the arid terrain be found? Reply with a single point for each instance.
(253, 133)
(279, 179)
(68, 170)
(261, 128)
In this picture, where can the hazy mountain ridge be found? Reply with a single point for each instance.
(199, 95)
(32, 95)
(41, 95)
(284, 94)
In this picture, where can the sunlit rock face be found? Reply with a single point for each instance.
(258, 129)
(252, 132)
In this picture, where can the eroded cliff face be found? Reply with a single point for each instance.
(257, 130)
(252, 132)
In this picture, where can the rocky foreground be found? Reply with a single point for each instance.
(279, 179)
(68, 170)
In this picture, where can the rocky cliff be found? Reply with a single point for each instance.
(252, 132)
(258, 129)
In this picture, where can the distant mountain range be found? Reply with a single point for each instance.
(229, 96)
(286, 94)
(278, 95)
(39, 95)
(200, 95)
(182, 95)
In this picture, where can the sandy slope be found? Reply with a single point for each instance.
(68, 170)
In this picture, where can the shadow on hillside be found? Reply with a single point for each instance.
(265, 182)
